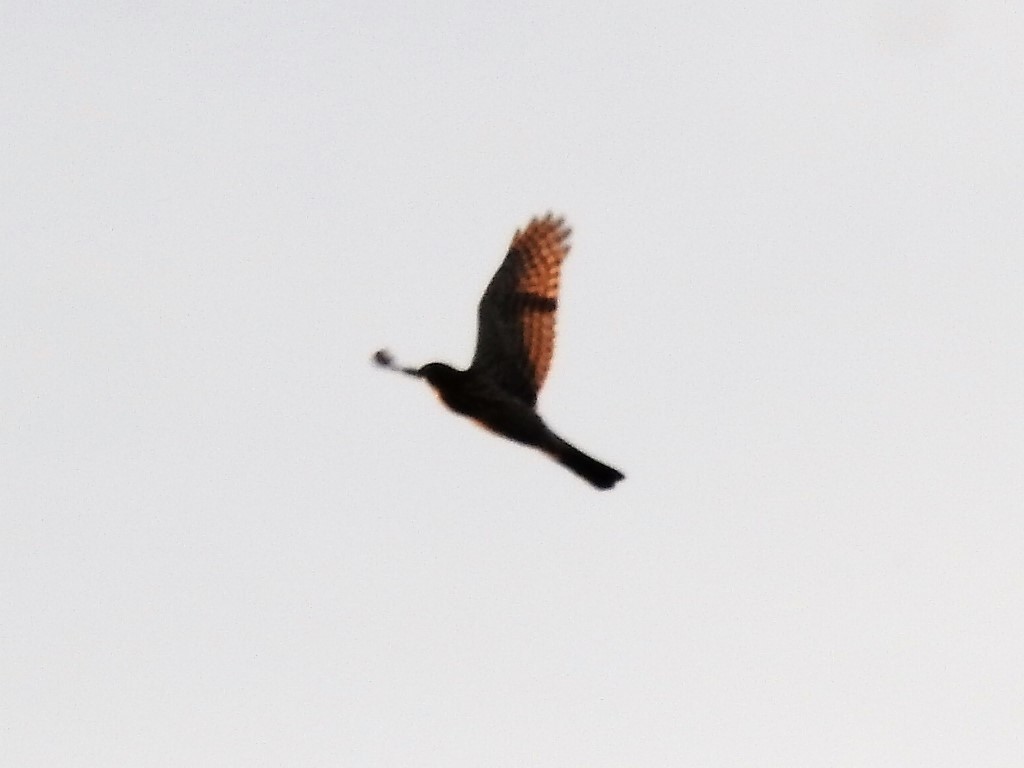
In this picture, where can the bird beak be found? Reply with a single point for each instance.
(384, 359)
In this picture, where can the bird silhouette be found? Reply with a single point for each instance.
(515, 343)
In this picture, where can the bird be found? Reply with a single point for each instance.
(514, 347)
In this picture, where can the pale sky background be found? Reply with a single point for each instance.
(793, 316)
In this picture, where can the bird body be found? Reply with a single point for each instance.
(515, 344)
(476, 397)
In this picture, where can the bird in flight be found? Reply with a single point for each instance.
(515, 342)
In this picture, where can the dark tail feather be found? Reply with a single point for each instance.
(590, 469)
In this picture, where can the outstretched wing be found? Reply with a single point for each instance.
(516, 333)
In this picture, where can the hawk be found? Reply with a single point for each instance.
(515, 343)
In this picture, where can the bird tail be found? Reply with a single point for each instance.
(590, 469)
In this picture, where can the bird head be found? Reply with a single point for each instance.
(437, 374)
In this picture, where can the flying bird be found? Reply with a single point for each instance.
(515, 343)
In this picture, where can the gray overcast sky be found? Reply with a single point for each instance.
(793, 316)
